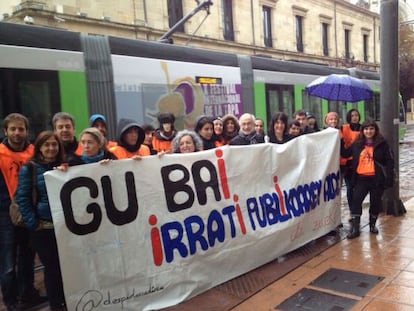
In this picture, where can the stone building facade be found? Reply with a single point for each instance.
(331, 32)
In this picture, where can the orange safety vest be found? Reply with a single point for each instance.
(122, 153)
(78, 150)
(10, 164)
(161, 145)
(348, 136)
(110, 144)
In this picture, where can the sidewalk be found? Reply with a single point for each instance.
(390, 254)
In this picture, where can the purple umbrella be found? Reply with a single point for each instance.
(340, 87)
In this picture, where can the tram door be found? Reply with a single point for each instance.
(34, 93)
(279, 98)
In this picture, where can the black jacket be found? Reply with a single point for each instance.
(243, 139)
(383, 161)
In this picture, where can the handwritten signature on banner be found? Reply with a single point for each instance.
(95, 299)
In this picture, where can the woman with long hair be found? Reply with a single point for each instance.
(204, 127)
(278, 128)
(372, 172)
(48, 154)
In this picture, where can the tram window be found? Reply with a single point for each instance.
(372, 107)
(340, 107)
(34, 93)
(313, 105)
(279, 98)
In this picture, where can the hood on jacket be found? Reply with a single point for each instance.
(231, 117)
(125, 124)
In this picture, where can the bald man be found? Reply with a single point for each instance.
(247, 133)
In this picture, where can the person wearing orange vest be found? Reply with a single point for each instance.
(99, 121)
(349, 133)
(64, 127)
(161, 142)
(130, 140)
(16, 254)
(372, 171)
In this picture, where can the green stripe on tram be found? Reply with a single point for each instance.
(74, 97)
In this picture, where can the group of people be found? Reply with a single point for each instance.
(366, 165)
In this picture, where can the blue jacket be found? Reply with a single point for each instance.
(31, 215)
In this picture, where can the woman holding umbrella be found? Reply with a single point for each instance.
(372, 172)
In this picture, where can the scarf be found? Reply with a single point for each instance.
(92, 159)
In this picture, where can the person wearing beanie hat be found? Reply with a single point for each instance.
(166, 117)
(130, 140)
(99, 121)
(166, 132)
(332, 120)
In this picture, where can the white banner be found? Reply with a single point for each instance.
(143, 235)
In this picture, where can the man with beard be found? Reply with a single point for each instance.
(16, 255)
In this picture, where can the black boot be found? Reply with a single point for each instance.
(372, 228)
(354, 232)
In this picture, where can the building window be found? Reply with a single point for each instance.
(175, 13)
(267, 26)
(325, 39)
(299, 33)
(227, 16)
(347, 41)
(365, 43)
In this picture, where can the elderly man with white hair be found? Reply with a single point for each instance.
(247, 134)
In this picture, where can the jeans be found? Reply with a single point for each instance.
(44, 242)
(16, 262)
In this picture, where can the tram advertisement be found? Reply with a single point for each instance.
(144, 235)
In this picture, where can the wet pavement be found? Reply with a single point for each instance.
(407, 164)
(388, 256)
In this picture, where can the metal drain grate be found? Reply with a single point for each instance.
(313, 300)
(234, 292)
(349, 282)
